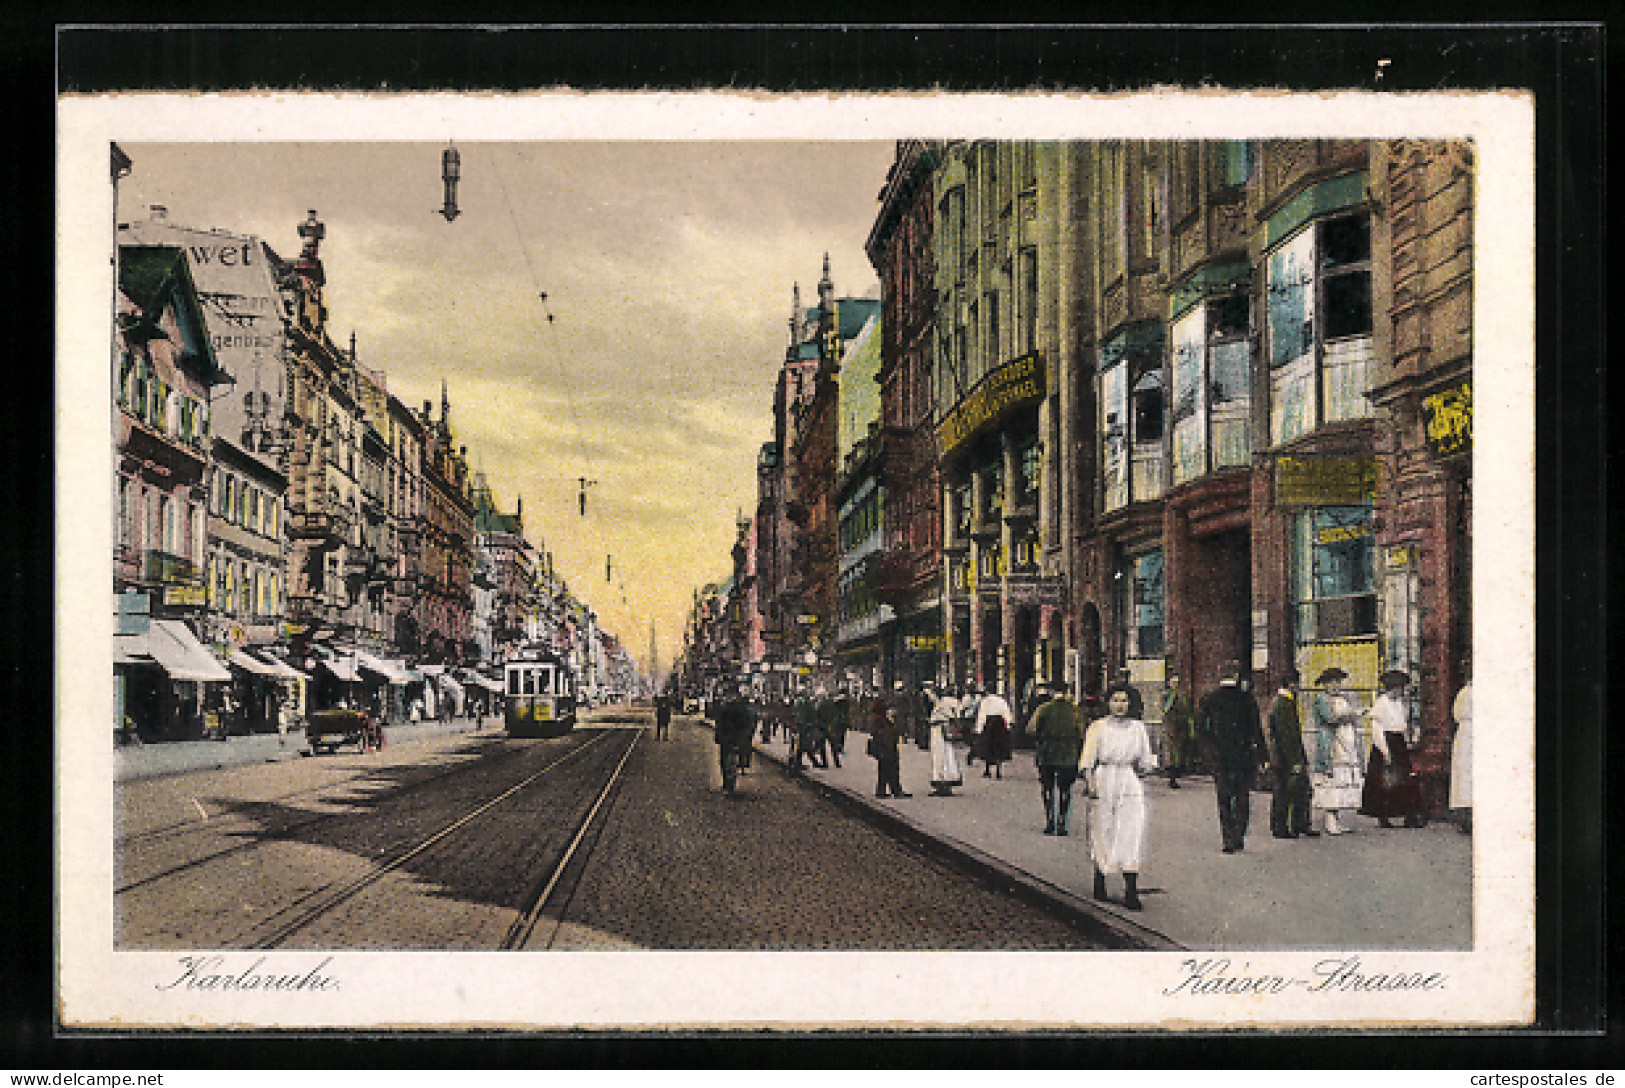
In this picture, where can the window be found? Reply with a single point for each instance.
(1029, 297)
(1140, 604)
(1114, 435)
(1212, 373)
(1113, 212)
(1319, 323)
(1235, 163)
(1028, 467)
(1148, 408)
(1333, 573)
(994, 350)
(992, 491)
(962, 513)
(1131, 416)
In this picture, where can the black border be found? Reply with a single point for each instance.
(1561, 64)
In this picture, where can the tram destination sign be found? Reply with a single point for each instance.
(1017, 384)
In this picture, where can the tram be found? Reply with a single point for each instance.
(540, 690)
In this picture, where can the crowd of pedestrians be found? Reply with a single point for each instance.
(1108, 759)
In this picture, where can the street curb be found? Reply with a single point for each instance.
(995, 871)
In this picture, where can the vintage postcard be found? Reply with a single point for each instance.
(653, 561)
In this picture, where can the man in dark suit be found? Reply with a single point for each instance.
(1289, 810)
(1227, 722)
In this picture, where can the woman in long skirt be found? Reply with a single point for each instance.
(1116, 754)
(945, 769)
(1338, 774)
(1391, 788)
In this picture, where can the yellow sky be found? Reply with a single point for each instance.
(667, 268)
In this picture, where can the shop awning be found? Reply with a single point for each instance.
(380, 666)
(172, 644)
(341, 668)
(240, 659)
(484, 682)
(431, 670)
(451, 685)
(280, 668)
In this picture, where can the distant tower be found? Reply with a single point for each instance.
(795, 313)
(445, 408)
(826, 319)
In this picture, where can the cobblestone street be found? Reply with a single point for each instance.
(776, 866)
(320, 853)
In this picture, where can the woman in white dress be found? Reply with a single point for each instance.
(1461, 758)
(945, 769)
(1339, 768)
(1116, 753)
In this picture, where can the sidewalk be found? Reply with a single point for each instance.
(179, 757)
(1373, 889)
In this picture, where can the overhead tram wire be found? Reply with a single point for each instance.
(589, 475)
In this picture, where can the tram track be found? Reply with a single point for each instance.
(402, 847)
(521, 932)
(233, 822)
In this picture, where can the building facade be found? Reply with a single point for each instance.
(165, 680)
(1006, 243)
(910, 574)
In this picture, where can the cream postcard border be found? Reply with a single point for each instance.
(1492, 984)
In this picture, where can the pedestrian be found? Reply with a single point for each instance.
(1290, 807)
(1391, 789)
(945, 769)
(832, 714)
(806, 742)
(993, 723)
(662, 717)
(1178, 725)
(1116, 755)
(735, 725)
(1339, 777)
(1461, 758)
(970, 726)
(885, 737)
(1057, 745)
(1227, 723)
(1136, 702)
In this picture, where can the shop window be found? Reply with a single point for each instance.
(1029, 469)
(1333, 567)
(992, 492)
(1140, 604)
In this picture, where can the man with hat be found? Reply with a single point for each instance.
(1058, 733)
(1289, 810)
(1227, 722)
(1391, 788)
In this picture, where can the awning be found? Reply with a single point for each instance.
(341, 669)
(451, 685)
(380, 666)
(431, 670)
(173, 646)
(250, 664)
(484, 682)
(280, 668)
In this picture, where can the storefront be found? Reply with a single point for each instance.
(169, 682)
